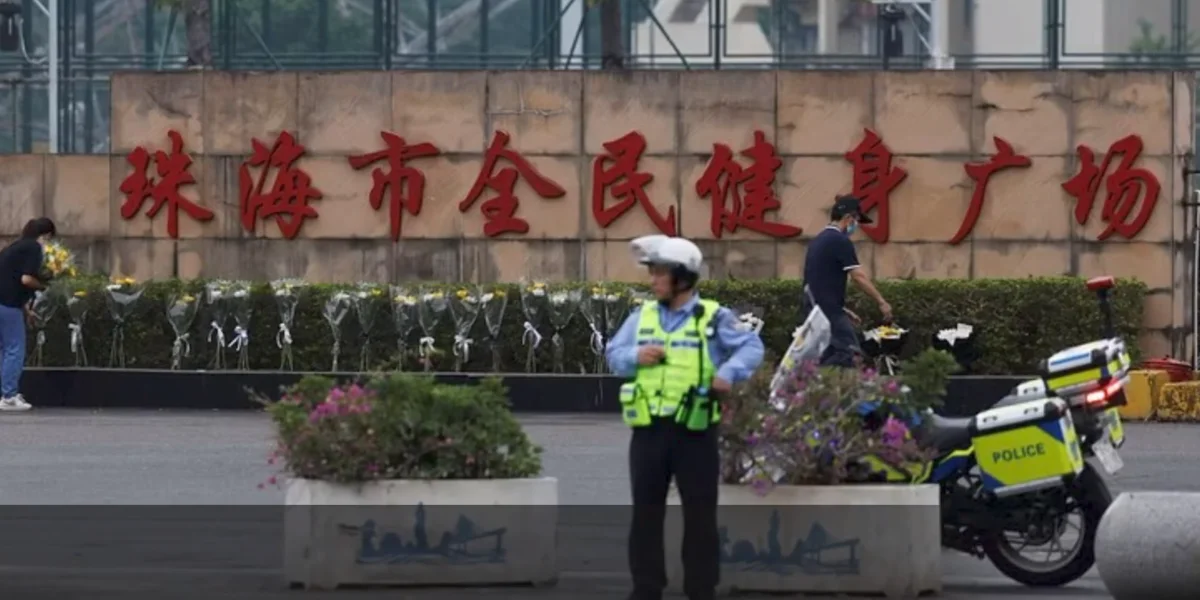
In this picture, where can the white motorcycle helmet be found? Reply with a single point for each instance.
(683, 257)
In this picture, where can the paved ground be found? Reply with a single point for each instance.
(166, 504)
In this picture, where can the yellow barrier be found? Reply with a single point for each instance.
(1141, 395)
(1179, 402)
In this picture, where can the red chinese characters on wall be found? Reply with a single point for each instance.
(739, 186)
(404, 185)
(1125, 189)
(873, 182)
(981, 174)
(616, 173)
(172, 174)
(291, 190)
(741, 196)
(500, 211)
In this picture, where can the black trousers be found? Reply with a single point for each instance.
(656, 454)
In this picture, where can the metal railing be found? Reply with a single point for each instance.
(98, 37)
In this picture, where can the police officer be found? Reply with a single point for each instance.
(679, 353)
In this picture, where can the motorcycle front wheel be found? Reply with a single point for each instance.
(1090, 497)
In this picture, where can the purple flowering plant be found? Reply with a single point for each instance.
(398, 426)
(828, 426)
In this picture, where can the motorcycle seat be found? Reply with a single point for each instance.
(948, 433)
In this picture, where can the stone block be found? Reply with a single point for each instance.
(77, 195)
(1110, 105)
(823, 112)
(145, 106)
(1146, 546)
(342, 112)
(1149, 263)
(924, 112)
(618, 102)
(922, 261)
(1005, 259)
(241, 106)
(1028, 109)
(726, 107)
(541, 110)
(445, 108)
(514, 260)
(22, 189)
(873, 539)
(337, 535)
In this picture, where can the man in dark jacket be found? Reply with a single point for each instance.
(831, 259)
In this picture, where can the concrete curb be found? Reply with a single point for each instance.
(1146, 546)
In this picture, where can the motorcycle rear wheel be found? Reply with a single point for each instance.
(1093, 498)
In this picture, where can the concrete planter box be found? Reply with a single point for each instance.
(870, 539)
(410, 532)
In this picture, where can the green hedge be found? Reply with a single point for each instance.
(1019, 322)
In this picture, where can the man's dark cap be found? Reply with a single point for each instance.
(849, 205)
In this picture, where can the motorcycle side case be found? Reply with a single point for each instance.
(1084, 368)
(1027, 446)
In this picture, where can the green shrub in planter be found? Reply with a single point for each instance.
(400, 426)
(1018, 322)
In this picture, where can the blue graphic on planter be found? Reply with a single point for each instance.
(817, 554)
(465, 545)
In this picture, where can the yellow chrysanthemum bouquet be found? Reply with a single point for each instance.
(429, 313)
(57, 261)
(464, 310)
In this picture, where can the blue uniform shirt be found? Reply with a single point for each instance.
(736, 353)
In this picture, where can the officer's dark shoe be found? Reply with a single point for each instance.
(639, 594)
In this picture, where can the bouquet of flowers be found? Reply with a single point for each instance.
(883, 344)
(216, 295)
(464, 309)
(592, 309)
(404, 319)
(535, 304)
(429, 314)
(239, 304)
(960, 342)
(749, 318)
(494, 303)
(43, 307)
(77, 309)
(336, 308)
(366, 301)
(287, 297)
(563, 305)
(57, 262)
(182, 309)
(123, 293)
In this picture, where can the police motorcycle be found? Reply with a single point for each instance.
(1014, 476)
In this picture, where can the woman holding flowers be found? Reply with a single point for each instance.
(20, 276)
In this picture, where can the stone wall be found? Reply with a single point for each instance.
(933, 122)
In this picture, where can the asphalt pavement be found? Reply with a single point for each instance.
(127, 504)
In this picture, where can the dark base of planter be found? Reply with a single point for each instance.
(152, 389)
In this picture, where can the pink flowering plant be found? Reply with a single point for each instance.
(399, 426)
(830, 426)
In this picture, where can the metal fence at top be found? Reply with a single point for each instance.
(97, 37)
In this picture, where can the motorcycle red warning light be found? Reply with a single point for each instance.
(1102, 395)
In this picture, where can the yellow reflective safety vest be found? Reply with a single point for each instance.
(678, 386)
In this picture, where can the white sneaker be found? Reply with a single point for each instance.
(14, 404)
